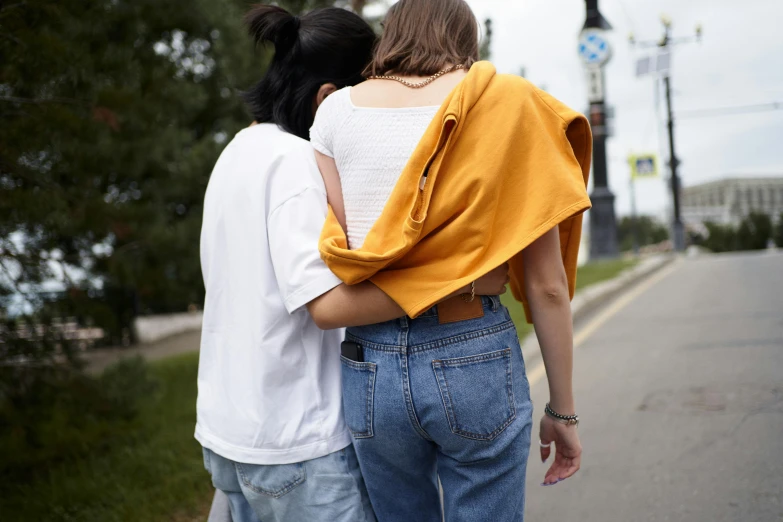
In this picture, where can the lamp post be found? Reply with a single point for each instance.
(595, 51)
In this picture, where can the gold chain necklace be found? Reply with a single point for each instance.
(417, 85)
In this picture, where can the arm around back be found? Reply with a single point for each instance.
(357, 305)
(365, 303)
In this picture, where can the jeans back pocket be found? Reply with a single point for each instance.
(273, 480)
(358, 395)
(477, 393)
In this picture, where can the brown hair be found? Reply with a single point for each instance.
(422, 37)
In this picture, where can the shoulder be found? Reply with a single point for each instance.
(335, 105)
(294, 171)
(269, 139)
(530, 98)
(282, 161)
(269, 147)
(329, 118)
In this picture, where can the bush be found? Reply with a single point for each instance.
(150, 469)
(779, 232)
(754, 232)
(650, 232)
(720, 238)
(62, 413)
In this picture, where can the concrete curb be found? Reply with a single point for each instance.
(154, 328)
(598, 294)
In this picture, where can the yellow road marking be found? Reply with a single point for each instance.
(538, 372)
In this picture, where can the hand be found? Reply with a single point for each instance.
(568, 450)
(494, 282)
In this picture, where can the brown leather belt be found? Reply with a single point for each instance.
(457, 309)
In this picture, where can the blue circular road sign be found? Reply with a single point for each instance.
(594, 48)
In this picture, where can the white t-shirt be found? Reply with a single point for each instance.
(370, 146)
(269, 388)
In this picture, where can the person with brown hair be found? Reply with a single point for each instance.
(437, 171)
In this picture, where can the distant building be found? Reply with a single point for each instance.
(728, 201)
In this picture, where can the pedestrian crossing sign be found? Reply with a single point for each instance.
(643, 165)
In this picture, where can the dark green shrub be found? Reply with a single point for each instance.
(720, 238)
(754, 232)
(61, 413)
(649, 230)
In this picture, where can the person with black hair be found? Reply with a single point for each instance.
(269, 409)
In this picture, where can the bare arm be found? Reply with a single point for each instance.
(334, 189)
(356, 305)
(365, 303)
(546, 287)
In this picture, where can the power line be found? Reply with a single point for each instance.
(730, 111)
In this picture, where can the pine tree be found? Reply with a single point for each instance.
(113, 115)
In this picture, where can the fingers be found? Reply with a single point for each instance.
(546, 449)
(561, 469)
(545, 438)
(572, 468)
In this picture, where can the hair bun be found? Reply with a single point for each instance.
(273, 24)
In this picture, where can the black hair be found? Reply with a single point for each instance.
(329, 45)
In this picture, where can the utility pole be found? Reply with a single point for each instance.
(664, 50)
(678, 229)
(595, 51)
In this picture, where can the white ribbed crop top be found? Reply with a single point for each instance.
(371, 147)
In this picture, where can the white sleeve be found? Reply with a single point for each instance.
(327, 121)
(293, 229)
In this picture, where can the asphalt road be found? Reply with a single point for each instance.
(680, 390)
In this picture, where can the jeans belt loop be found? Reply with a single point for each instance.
(404, 322)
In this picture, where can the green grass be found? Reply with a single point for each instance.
(155, 473)
(586, 275)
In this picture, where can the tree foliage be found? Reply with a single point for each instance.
(650, 232)
(485, 51)
(114, 112)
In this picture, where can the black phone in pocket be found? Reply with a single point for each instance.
(352, 351)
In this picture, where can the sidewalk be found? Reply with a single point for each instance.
(98, 360)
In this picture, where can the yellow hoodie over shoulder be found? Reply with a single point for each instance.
(501, 164)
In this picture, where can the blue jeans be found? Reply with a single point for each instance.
(448, 401)
(320, 490)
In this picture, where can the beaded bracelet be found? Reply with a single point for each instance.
(570, 420)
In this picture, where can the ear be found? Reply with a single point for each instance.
(324, 91)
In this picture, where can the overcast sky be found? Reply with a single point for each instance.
(739, 62)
